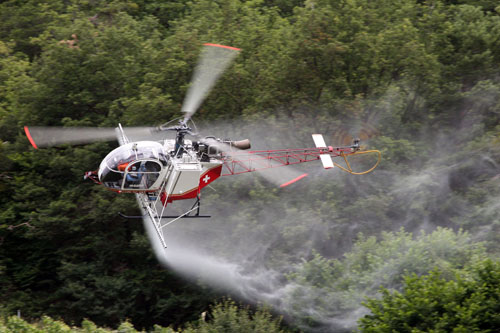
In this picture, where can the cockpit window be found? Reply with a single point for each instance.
(141, 175)
(134, 166)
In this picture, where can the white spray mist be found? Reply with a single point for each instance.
(235, 251)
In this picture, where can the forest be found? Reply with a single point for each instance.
(411, 247)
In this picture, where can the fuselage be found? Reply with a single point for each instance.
(151, 166)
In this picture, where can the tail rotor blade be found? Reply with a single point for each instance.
(213, 62)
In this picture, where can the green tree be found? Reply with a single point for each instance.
(23, 20)
(14, 77)
(225, 316)
(228, 317)
(409, 69)
(337, 286)
(432, 303)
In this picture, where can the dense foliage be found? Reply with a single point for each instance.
(223, 317)
(339, 286)
(418, 78)
(429, 303)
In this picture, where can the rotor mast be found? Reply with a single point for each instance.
(182, 130)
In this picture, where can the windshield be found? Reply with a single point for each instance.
(134, 166)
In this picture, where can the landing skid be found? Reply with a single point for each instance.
(131, 217)
(153, 213)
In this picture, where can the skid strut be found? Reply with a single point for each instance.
(149, 209)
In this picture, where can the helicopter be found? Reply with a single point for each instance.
(160, 172)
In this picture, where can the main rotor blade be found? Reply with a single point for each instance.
(212, 63)
(42, 136)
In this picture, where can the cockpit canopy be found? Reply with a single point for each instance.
(134, 166)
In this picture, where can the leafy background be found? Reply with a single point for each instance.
(417, 79)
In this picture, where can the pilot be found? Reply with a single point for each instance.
(134, 174)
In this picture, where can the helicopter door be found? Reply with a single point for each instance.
(141, 175)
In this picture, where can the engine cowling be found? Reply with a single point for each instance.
(214, 146)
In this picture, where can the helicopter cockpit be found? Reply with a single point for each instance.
(134, 166)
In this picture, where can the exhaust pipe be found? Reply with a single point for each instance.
(242, 144)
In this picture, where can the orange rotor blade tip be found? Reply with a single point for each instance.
(27, 131)
(294, 180)
(223, 46)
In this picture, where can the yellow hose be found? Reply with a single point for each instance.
(349, 169)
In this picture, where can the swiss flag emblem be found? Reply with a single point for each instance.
(210, 176)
